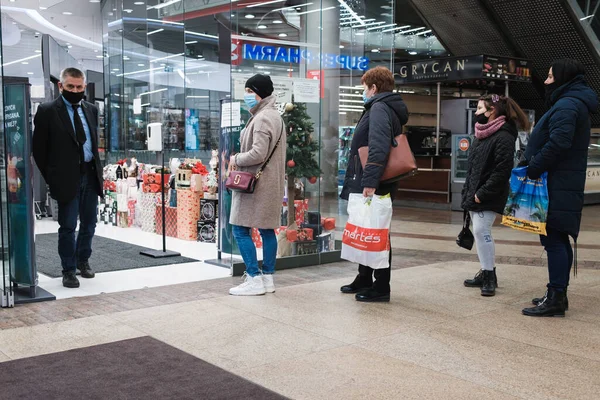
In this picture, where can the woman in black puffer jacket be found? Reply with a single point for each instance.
(559, 145)
(487, 183)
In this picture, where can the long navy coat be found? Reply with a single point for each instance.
(559, 145)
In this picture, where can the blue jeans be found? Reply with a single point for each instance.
(560, 258)
(84, 205)
(243, 237)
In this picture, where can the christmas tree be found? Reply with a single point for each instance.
(301, 151)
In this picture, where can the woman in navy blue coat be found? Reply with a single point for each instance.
(559, 145)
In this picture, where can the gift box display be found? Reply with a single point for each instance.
(207, 232)
(209, 210)
(131, 206)
(299, 235)
(197, 183)
(328, 223)
(188, 213)
(183, 178)
(257, 239)
(148, 202)
(301, 207)
(107, 209)
(170, 220)
(152, 179)
(303, 248)
(123, 219)
(326, 241)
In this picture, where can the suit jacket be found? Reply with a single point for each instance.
(57, 152)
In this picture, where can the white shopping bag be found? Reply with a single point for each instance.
(366, 236)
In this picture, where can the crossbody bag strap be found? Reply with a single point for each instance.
(261, 169)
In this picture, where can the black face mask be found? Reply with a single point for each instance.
(549, 91)
(73, 97)
(482, 119)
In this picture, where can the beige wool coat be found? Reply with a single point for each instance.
(261, 209)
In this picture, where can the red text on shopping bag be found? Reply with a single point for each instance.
(367, 239)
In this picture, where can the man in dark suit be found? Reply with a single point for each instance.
(65, 148)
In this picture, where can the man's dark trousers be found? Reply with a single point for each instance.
(84, 205)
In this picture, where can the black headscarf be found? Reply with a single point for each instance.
(564, 71)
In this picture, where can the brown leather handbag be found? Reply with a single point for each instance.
(245, 182)
(401, 161)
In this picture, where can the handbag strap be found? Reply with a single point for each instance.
(466, 219)
(261, 169)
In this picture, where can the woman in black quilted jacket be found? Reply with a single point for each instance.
(487, 183)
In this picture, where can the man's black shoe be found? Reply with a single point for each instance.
(356, 286)
(372, 296)
(86, 270)
(70, 280)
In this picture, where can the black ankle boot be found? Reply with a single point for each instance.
(488, 287)
(477, 281)
(359, 284)
(553, 305)
(536, 301)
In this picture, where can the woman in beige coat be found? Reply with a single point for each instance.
(264, 135)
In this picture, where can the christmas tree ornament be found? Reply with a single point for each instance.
(291, 164)
(289, 107)
(312, 180)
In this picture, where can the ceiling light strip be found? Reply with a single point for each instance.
(163, 5)
(152, 92)
(21, 60)
(351, 11)
(264, 4)
(317, 10)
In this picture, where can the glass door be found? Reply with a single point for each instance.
(6, 291)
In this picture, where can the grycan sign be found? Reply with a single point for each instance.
(366, 239)
(293, 55)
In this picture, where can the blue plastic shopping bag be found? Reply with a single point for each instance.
(527, 205)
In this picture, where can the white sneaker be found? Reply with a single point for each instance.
(252, 286)
(269, 284)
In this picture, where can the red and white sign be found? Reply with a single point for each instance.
(236, 52)
(317, 75)
(464, 144)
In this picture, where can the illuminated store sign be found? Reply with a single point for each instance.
(464, 68)
(293, 55)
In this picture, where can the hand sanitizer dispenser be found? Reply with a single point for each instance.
(154, 136)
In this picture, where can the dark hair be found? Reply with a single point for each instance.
(505, 106)
(380, 77)
(566, 69)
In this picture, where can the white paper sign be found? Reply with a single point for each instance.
(231, 114)
(283, 89)
(137, 106)
(307, 91)
(239, 85)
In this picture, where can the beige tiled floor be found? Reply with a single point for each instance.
(436, 339)
(62, 336)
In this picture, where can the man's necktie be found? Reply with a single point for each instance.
(79, 131)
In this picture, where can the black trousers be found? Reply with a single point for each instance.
(560, 258)
(382, 276)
